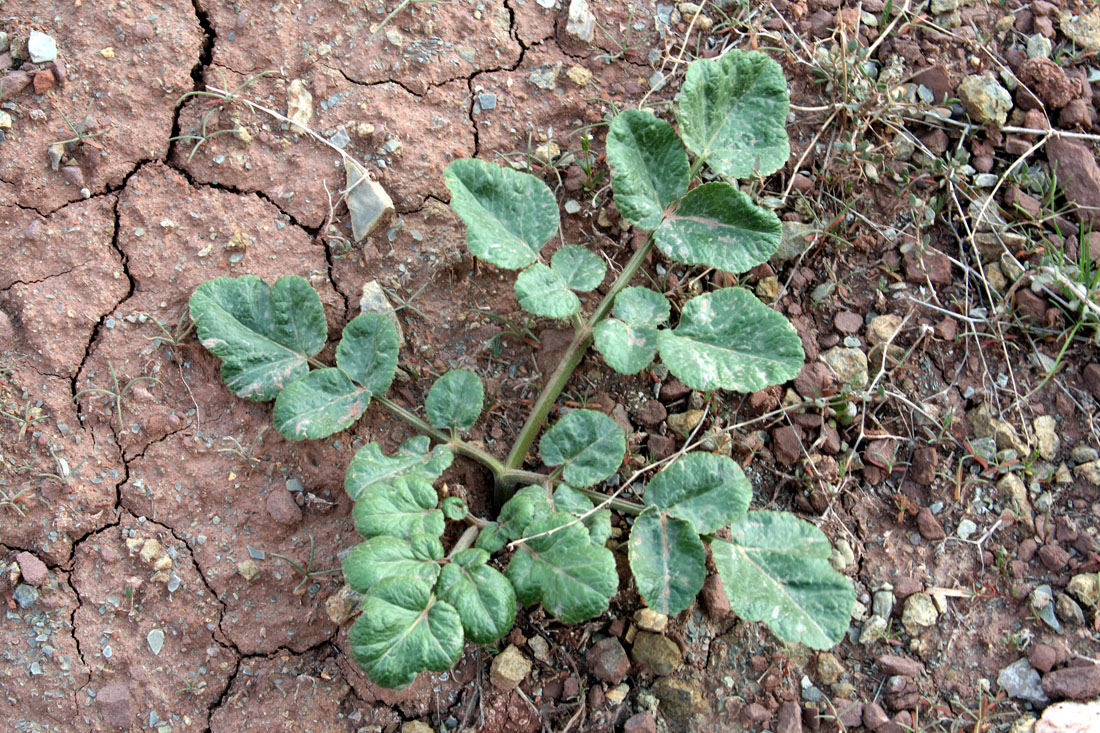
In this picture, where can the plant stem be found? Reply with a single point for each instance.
(465, 541)
(582, 339)
(619, 505)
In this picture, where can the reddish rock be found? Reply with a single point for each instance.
(1079, 175)
(848, 322)
(1026, 203)
(849, 713)
(929, 527)
(905, 587)
(1027, 550)
(73, 174)
(715, 599)
(894, 665)
(640, 723)
(1073, 683)
(113, 702)
(821, 24)
(874, 717)
(1078, 113)
(281, 507)
(765, 400)
(607, 661)
(786, 445)
(790, 718)
(1053, 557)
(1048, 81)
(673, 390)
(651, 413)
(948, 328)
(12, 83)
(936, 141)
(923, 468)
(1030, 305)
(1091, 374)
(901, 693)
(1042, 657)
(660, 446)
(814, 380)
(33, 570)
(936, 79)
(754, 714)
(43, 81)
(933, 266)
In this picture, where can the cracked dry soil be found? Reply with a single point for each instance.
(158, 502)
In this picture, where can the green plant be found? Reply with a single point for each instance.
(306, 571)
(117, 392)
(421, 601)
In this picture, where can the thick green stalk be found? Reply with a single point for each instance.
(582, 339)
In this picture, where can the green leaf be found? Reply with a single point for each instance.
(403, 631)
(718, 226)
(589, 446)
(426, 546)
(323, 402)
(777, 570)
(525, 506)
(387, 557)
(491, 538)
(568, 499)
(368, 351)
(370, 466)
(403, 507)
(509, 215)
(454, 508)
(733, 113)
(628, 342)
(649, 168)
(455, 400)
(728, 339)
(564, 571)
(483, 597)
(541, 291)
(668, 561)
(707, 489)
(579, 268)
(263, 335)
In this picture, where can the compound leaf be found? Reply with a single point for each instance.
(455, 400)
(727, 339)
(367, 351)
(568, 499)
(542, 291)
(649, 168)
(733, 113)
(402, 507)
(571, 577)
(323, 402)
(707, 489)
(668, 560)
(589, 446)
(404, 630)
(387, 557)
(509, 215)
(718, 226)
(370, 466)
(483, 597)
(491, 538)
(777, 570)
(262, 334)
(578, 268)
(628, 342)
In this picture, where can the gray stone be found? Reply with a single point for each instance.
(1070, 717)
(986, 101)
(966, 529)
(849, 365)
(155, 639)
(1022, 682)
(25, 595)
(1046, 436)
(581, 23)
(546, 76)
(41, 48)
(829, 668)
(873, 629)
(882, 602)
(882, 328)
(1084, 30)
(919, 613)
(939, 7)
(1082, 453)
(1039, 46)
(1068, 610)
(368, 202)
(5, 43)
(1014, 488)
(1089, 471)
(1085, 587)
(373, 299)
